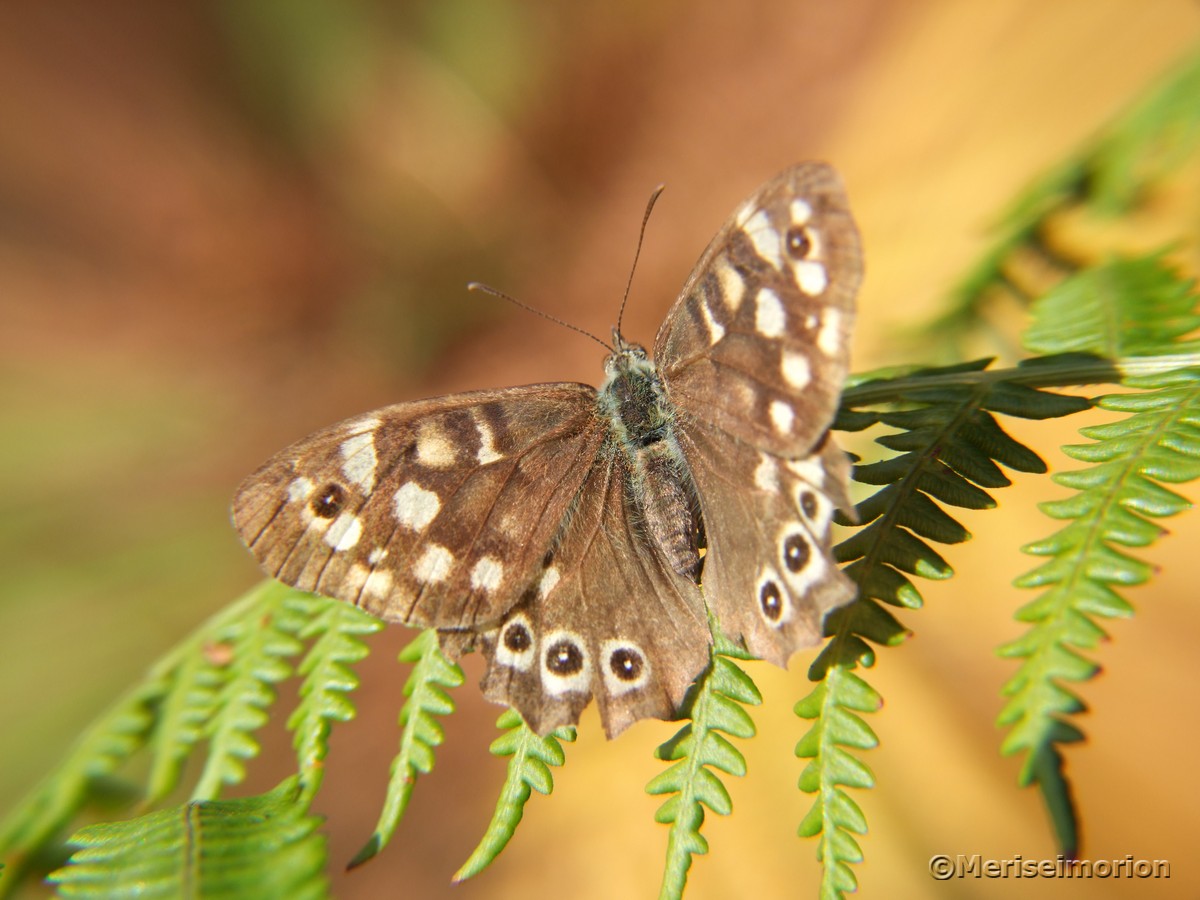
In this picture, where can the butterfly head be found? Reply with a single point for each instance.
(627, 360)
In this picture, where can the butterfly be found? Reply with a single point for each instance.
(581, 538)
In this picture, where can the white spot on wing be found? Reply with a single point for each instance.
(766, 474)
(416, 507)
(368, 422)
(829, 338)
(733, 287)
(487, 443)
(770, 320)
(344, 532)
(376, 556)
(810, 469)
(549, 581)
(800, 211)
(716, 330)
(359, 460)
(378, 583)
(765, 238)
(796, 370)
(300, 490)
(745, 211)
(810, 277)
(487, 574)
(434, 565)
(434, 449)
(782, 416)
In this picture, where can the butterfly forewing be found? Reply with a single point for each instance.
(758, 342)
(434, 513)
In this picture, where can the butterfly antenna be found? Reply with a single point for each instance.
(654, 195)
(488, 289)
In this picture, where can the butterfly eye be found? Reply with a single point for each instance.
(626, 664)
(329, 502)
(517, 638)
(564, 658)
(796, 552)
(770, 598)
(799, 242)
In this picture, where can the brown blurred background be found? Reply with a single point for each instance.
(224, 224)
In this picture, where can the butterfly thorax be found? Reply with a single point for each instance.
(643, 431)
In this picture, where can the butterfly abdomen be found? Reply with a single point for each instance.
(633, 400)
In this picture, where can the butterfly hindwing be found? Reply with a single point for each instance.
(769, 575)
(433, 513)
(606, 618)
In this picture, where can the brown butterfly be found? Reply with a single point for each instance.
(580, 537)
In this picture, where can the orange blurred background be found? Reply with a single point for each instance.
(225, 224)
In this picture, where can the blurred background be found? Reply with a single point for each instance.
(224, 224)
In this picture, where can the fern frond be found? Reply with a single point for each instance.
(336, 630)
(256, 848)
(530, 758)
(1108, 175)
(950, 449)
(834, 816)
(183, 715)
(696, 749)
(174, 694)
(257, 650)
(1117, 497)
(425, 689)
(102, 749)
(1120, 308)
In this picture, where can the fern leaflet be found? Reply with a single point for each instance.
(834, 815)
(255, 651)
(530, 758)
(338, 629)
(427, 699)
(696, 749)
(258, 848)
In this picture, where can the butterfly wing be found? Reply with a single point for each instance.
(606, 618)
(433, 513)
(753, 356)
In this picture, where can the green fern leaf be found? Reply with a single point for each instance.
(950, 449)
(1158, 441)
(530, 758)
(425, 689)
(834, 817)
(1125, 307)
(112, 739)
(338, 629)
(717, 702)
(1154, 136)
(256, 848)
(258, 648)
(168, 710)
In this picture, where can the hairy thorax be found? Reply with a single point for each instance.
(632, 399)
